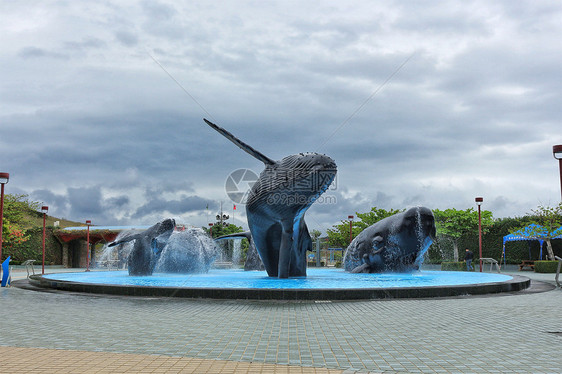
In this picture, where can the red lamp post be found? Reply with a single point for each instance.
(88, 223)
(479, 201)
(350, 218)
(211, 229)
(44, 210)
(557, 153)
(4, 178)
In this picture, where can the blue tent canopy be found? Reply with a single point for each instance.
(524, 234)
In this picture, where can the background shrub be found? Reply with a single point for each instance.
(546, 266)
(456, 266)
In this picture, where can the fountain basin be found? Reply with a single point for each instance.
(320, 284)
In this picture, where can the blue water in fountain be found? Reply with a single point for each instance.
(317, 278)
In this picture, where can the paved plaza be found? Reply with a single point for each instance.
(73, 333)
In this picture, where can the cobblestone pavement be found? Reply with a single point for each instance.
(511, 333)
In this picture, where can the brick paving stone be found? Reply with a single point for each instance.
(41, 360)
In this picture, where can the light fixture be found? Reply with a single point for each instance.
(350, 218)
(4, 178)
(479, 201)
(88, 223)
(557, 153)
(44, 210)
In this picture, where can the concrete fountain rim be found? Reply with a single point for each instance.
(516, 283)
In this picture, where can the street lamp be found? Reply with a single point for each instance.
(88, 223)
(557, 153)
(4, 178)
(479, 201)
(221, 219)
(44, 210)
(350, 218)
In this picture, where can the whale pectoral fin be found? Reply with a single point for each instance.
(126, 239)
(361, 268)
(285, 249)
(267, 240)
(378, 251)
(253, 259)
(241, 235)
(240, 144)
(302, 242)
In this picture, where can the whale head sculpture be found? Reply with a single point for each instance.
(394, 244)
(148, 246)
(277, 203)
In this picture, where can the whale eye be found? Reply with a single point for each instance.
(377, 242)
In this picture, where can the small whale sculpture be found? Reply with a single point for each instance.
(394, 244)
(277, 203)
(148, 246)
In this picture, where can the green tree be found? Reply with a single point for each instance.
(454, 224)
(17, 209)
(15, 220)
(546, 225)
(13, 235)
(220, 230)
(338, 235)
(315, 234)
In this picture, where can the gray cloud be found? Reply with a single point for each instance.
(126, 38)
(36, 52)
(90, 123)
(88, 42)
(185, 204)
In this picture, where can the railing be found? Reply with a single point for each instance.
(109, 264)
(29, 265)
(492, 262)
(558, 271)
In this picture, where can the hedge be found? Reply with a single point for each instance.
(492, 244)
(455, 266)
(546, 266)
(33, 248)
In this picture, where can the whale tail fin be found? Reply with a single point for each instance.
(240, 144)
(126, 239)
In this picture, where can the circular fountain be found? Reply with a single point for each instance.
(319, 284)
(181, 266)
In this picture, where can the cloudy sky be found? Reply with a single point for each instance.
(419, 103)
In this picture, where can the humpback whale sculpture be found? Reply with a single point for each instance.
(253, 260)
(277, 203)
(148, 246)
(394, 244)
